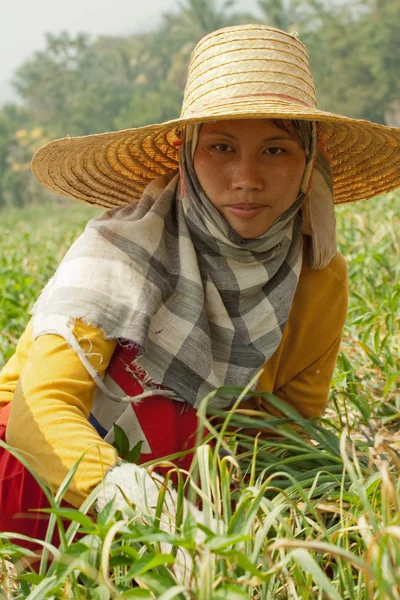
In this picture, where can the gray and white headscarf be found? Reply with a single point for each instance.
(204, 306)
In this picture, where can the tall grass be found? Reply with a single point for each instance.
(33, 242)
(301, 517)
(368, 372)
(310, 511)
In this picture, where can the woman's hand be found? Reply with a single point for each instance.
(135, 491)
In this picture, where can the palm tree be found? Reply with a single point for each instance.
(196, 18)
(283, 14)
(181, 31)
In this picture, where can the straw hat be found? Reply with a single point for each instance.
(249, 71)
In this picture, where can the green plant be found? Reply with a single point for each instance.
(311, 511)
(288, 531)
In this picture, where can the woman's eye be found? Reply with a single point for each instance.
(274, 151)
(222, 147)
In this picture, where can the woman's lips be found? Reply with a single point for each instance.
(245, 211)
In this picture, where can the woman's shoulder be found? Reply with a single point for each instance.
(322, 294)
(318, 312)
(333, 275)
(337, 268)
(313, 330)
(320, 301)
(89, 336)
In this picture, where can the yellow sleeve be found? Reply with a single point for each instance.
(50, 408)
(308, 391)
(10, 373)
(300, 371)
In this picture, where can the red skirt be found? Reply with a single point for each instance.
(20, 494)
(169, 427)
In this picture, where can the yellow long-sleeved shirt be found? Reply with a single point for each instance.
(52, 392)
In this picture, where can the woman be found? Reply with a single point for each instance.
(202, 275)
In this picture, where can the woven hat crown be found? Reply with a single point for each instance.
(241, 63)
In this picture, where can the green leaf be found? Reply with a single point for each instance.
(131, 552)
(137, 593)
(121, 442)
(71, 514)
(107, 514)
(174, 592)
(158, 584)
(150, 562)
(220, 542)
(309, 564)
(120, 561)
(12, 549)
(100, 593)
(46, 586)
(189, 527)
(230, 592)
(240, 559)
(77, 549)
(133, 456)
(33, 578)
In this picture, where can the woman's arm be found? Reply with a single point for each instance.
(50, 408)
(300, 371)
(308, 391)
(10, 373)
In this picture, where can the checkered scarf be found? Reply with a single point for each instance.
(205, 307)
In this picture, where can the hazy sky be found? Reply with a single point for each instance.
(24, 22)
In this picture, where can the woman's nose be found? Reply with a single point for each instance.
(247, 175)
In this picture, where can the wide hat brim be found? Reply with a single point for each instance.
(112, 169)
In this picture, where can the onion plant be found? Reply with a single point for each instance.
(292, 508)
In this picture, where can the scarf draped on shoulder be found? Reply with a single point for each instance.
(204, 306)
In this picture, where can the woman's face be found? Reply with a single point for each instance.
(250, 170)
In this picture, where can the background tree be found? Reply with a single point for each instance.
(12, 118)
(283, 14)
(354, 55)
(74, 87)
(196, 18)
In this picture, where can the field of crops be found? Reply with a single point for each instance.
(311, 512)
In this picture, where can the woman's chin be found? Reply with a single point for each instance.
(248, 229)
